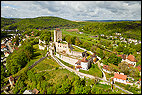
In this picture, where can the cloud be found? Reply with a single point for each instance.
(73, 10)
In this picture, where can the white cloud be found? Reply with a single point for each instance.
(73, 10)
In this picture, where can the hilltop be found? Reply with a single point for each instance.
(49, 22)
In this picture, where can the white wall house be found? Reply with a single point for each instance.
(121, 78)
(82, 64)
(131, 60)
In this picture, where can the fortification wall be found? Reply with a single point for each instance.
(67, 59)
(41, 47)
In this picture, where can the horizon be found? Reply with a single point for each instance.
(73, 10)
(82, 20)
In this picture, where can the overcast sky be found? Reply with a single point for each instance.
(73, 10)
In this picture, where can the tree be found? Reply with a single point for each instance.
(86, 90)
(28, 49)
(68, 39)
(138, 47)
(77, 41)
(123, 67)
(134, 72)
(45, 36)
(114, 59)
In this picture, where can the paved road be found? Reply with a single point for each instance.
(104, 76)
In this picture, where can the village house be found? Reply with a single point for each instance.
(6, 54)
(106, 69)
(83, 64)
(131, 60)
(123, 57)
(121, 78)
(102, 35)
(34, 91)
(117, 33)
(80, 32)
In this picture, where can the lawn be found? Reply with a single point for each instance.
(77, 49)
(46, 64)
(94, 70)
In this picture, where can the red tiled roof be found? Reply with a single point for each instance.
(130, 65)
(120, 76)
(35, 91)
(131, 58)
(122, 56)
(139, 79)
(84, 60)
(106, 67)
(16, 48)
(139, 67)
(78, 66)
(3, 46)
(6, 53)
(78, 62)
(58, 29)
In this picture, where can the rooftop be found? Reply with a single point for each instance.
(120, 76)
(139, 67)
(78, 66)
(122, 56)
(131, 58)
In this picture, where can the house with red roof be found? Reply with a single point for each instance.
(131, 60)
(106, 69)
(122, 56)
(120, 77)
(83, 64)
(6, 54)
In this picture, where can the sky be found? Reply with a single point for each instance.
(73, 10)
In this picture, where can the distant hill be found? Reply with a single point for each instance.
(109, 20)
(38, 23)
(129, 29)
(8, 21)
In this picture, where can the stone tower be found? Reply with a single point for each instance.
(57, 35)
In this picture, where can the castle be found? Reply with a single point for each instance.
(63, 46)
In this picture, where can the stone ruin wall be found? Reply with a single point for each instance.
(67, 59)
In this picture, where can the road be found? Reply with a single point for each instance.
(104, 76)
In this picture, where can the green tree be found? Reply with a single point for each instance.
(77, 41)
(123, 67)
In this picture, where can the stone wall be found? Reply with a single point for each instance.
(67, 59)
(74, 53)
(41, 47)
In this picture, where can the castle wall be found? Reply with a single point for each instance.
(42, 47)
(75, 53)
(67, 59)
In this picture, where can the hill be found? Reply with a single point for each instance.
(49, 22)
(129, 29)
(8, 21)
